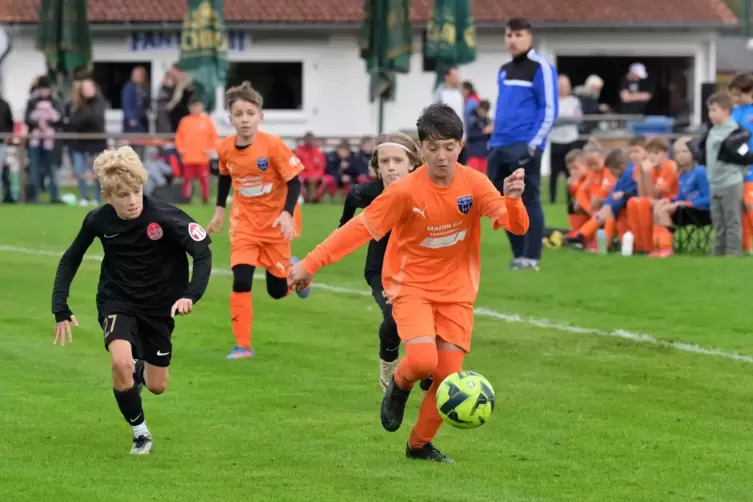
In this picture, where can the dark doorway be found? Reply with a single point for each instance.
(668, 77)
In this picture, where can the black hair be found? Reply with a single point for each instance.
(518, 24)
(438, 122)
(485, 104)
(468, 85)
(195, 100)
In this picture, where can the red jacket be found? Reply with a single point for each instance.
(313, 160)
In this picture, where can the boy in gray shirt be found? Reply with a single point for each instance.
(725, 179)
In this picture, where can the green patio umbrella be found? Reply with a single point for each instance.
(203, 48)
(64, 37)
(451, 36)
(386, 44)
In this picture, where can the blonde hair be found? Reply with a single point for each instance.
(116, 168)
(243, 92)
(402, 139)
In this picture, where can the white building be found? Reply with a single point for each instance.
(325, 87)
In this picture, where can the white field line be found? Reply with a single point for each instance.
(479, 311)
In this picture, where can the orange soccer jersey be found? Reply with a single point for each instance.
(666, 180)
(260, 174)
(431, 268)
(596, 185)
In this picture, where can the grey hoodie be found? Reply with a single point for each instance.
(721, 174)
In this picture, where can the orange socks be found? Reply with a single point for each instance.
(747, 231)
(641, 222)
(610, 226)
(242, 315)
(429, 421)
(419, 362)
(577, 221)
(588, 230)
(662, 238)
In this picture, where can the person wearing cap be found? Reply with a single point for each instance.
(634, 91)
(527, 108)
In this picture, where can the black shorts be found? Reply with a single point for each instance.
(684, 216)
(149, 336)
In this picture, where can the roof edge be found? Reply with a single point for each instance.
(347, 26)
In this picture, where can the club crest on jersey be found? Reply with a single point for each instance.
(262, 163)
(154, 231)
(196, 232)
(465, 203)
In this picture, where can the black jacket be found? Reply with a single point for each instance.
(6, 119)
(734, 149)
(88, 119)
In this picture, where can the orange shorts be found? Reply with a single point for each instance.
(451, 322)
(274, 257)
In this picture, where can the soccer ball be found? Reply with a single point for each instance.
(465, 400)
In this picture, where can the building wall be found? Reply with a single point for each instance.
(335, 85)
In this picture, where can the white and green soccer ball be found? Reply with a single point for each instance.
(465, 400)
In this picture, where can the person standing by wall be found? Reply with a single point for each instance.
(87, 116)
(564, 135)
(527, 108)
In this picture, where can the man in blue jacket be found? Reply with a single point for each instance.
(527, 108)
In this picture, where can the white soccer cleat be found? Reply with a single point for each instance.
(386, 370)
(142, 445)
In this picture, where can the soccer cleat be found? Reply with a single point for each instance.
(142, 445)
(427, 452)
(304, 293)
(515, 264)
(240, 353)
(393, 406)
(529, 264)
(425, 384)
(577, 240)
(386, 370)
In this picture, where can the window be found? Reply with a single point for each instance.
(281, 84)
(111, 77)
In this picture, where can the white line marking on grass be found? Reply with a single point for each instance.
(479, 311)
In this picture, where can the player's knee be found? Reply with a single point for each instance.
(243, 278)
(277, 287)
(156, 387)
(122, 372)
(422, 358)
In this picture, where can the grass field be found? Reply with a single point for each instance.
(582, 415)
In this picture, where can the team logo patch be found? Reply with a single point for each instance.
(154, 231)
(262, 163)
(465, 203)
(196, 232)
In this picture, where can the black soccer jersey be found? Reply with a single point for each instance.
(359, 197)
(145, 268)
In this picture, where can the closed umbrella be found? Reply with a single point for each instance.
(386, 44)
(450, 36)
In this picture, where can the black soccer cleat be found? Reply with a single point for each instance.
(427, 452)
(577, 240)
(393, 406)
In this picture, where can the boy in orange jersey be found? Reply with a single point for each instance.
(265, 215)
(657, 179)
(575, 161)
(195, 139)
(597, 185)
(431, 268)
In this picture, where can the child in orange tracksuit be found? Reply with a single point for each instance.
(595, 188)
(575, 160)
(657, 179)
(195, 140)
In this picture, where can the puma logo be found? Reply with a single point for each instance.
(422, 212)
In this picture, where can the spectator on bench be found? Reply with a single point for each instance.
(611, 215)
(577, 170)
(657, 179)
(691, 203)
(314, 161)
(341, 172)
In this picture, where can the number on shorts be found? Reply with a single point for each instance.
(110, 324)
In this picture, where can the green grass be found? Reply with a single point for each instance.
(580, 417)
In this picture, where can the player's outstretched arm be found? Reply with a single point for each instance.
(195, 241)
(67, 268)
(506, 211)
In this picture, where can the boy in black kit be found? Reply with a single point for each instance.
(143, 284)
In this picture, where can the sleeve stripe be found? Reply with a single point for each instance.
(549, 95)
